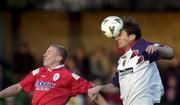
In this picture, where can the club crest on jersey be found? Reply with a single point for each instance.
(56, 76)
(124, 61)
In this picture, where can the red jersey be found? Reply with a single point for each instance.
(54, 87)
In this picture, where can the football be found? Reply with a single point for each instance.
(112, 26)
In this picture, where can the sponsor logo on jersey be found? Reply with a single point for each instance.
(44, 86)
(56, 76)
(126, 71)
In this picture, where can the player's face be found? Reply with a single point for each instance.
(123, 40)
(50, 57)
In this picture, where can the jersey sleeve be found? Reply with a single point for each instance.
(28, 82)
(115, 80)
(79, 85)
(141, 46)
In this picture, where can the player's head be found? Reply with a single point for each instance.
(132, 28)
(130, 33)
(55, 55)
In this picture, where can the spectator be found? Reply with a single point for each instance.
(23, 60)
(82, 61)
(100, 65)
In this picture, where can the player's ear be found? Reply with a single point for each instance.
(132, 37)
(58, 58)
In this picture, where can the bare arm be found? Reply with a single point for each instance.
(165, 51)
(93, 92)
(10, 91)
(110, 88)
(100, 100)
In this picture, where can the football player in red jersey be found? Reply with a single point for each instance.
(52, 84)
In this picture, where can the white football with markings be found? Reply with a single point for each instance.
(112, 26)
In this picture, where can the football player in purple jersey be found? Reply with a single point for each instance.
(137, 76)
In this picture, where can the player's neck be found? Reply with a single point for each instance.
(53, 66)
(130, 46)
(127, 49)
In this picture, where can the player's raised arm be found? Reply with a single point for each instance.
(10, 91)
(165, 51)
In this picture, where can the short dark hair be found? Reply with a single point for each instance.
(62, 51)
(132, 27)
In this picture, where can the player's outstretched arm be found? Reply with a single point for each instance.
(10, 91)
(165, 51)
(93, 92)
(100, 100)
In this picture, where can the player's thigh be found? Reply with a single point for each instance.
(143, 101)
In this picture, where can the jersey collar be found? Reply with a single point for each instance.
(57, 67)
(133, 43)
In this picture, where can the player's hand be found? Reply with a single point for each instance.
(92, 92)
(151, 49)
